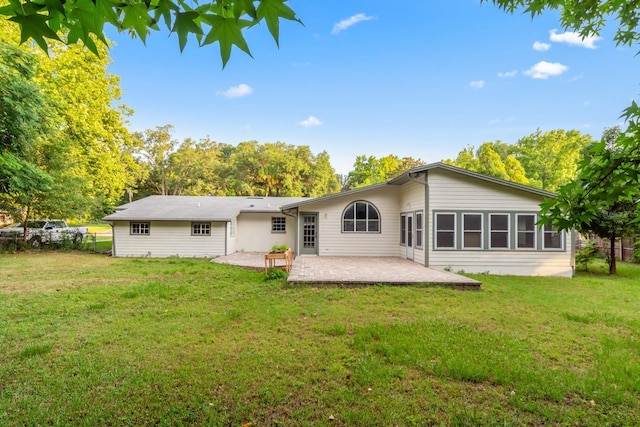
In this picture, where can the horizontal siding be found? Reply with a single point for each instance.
(333, 242)
(169, 238)
(231, 240)
(453, 192)
(254, 232)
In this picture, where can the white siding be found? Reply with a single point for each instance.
(168, 238)
(333, 242)
(231, 236)
(254, 232)
(453, 192)
(412, 200)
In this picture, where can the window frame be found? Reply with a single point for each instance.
(403, 229)
(353, 205)
(464, 231)
(419, 227)
(534, 231)
(200, 225)
(436, 216)
(141, 226)
(278, 222)
(554, 230)
(491, 231)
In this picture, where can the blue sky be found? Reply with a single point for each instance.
(414, 78)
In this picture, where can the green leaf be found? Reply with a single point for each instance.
(272, 11)
(136, 17)
(34, 27)
(185, 24)
(227, 32)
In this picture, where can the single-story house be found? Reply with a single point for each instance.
(436, 215)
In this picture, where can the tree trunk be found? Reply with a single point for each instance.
(612, 255)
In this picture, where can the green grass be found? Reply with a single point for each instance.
(93, 340)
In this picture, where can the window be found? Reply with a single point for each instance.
(232, 228)
(418, 229)
(445, 231)
(361, 217)
(526, 227)
(403, 229)
(472, 231)
(552, 237)
(278, 224)
(498, 231)
(201, 229)
(142, 228)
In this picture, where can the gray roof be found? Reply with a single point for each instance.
(197, 208)
(406, 177)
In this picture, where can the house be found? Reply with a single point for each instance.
(437, 215)
(201, 226)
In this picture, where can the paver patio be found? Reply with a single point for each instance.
(350, 271)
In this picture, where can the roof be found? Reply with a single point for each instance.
(406, 177)
(197, 208)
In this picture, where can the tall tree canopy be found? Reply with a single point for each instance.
(368, 170)
(82, 149)
(250, 168)
(493, 159)
(221, 21)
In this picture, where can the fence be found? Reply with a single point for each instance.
(624, 248)
(94, 242)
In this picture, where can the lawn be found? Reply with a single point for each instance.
(93, 340)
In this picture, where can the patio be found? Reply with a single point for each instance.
(355, 271)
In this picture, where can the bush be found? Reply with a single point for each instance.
(276, 274)
(586, 254)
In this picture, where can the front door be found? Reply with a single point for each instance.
(309, 233)
(409, 238)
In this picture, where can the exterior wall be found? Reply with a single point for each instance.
(232, 233)
(254, 234)
(333, 242)
(412, 198)
(168, 238)
(452, 192)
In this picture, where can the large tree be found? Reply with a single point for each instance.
(493, 159)
(368, 170)
(221, 21)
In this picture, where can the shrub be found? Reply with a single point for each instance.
(586, 254)
(276, 274)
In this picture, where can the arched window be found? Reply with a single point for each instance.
(361, 217)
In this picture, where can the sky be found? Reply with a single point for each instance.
(417, 78)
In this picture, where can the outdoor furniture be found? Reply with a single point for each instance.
(271, 260)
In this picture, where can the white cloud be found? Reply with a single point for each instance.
(508, 74)
(543, 70)
(238, 91)
(310, 122)
(502, 120)
(477, 84)
(541, 46)
(346, 23)
(574, 39)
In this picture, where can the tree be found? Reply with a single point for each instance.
(550, 159)
(493, 159)
(71, 22)
(604, 197)
(368, 170)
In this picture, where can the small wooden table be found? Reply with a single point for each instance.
(270, 260)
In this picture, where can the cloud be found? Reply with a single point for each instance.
(543, 70)
(346, 23)
(477, 84)
(574, 39)
(541, 46)
(238, 91)
(508, 74)
(310, 122)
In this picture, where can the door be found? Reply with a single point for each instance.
(309, 233)
(410, 237)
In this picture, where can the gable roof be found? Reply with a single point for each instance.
(406, 177)
(197, 208)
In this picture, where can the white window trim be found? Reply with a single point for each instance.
(475, 248)
(193, 233)
(148, 224)
(366, 221)
(535, 232)
(274, 222)
(455, 231)
(562, 239)
(508, 230)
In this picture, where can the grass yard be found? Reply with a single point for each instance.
(93, 340)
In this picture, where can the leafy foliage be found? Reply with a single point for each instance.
(221, 21)
(368, 170)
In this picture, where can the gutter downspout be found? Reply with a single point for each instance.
(425, 226)
(295, 217)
